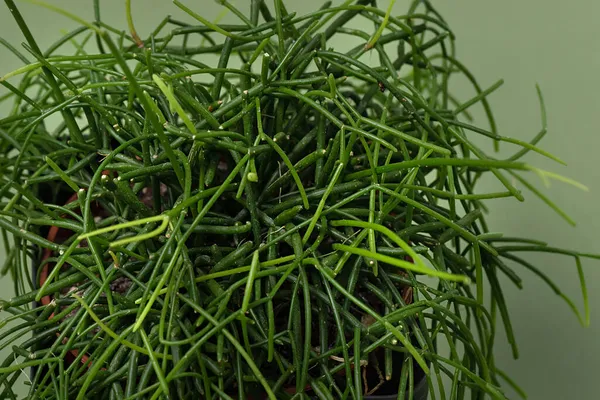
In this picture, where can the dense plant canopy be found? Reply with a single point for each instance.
(292, 219)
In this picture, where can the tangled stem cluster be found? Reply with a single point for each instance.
(259, 227)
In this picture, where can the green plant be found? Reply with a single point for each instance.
(263, 227)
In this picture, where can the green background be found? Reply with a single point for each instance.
(550, 42)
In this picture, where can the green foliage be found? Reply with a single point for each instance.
(295, 219)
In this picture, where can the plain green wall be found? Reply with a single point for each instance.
(551, 42)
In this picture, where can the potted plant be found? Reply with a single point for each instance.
(295, 221)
